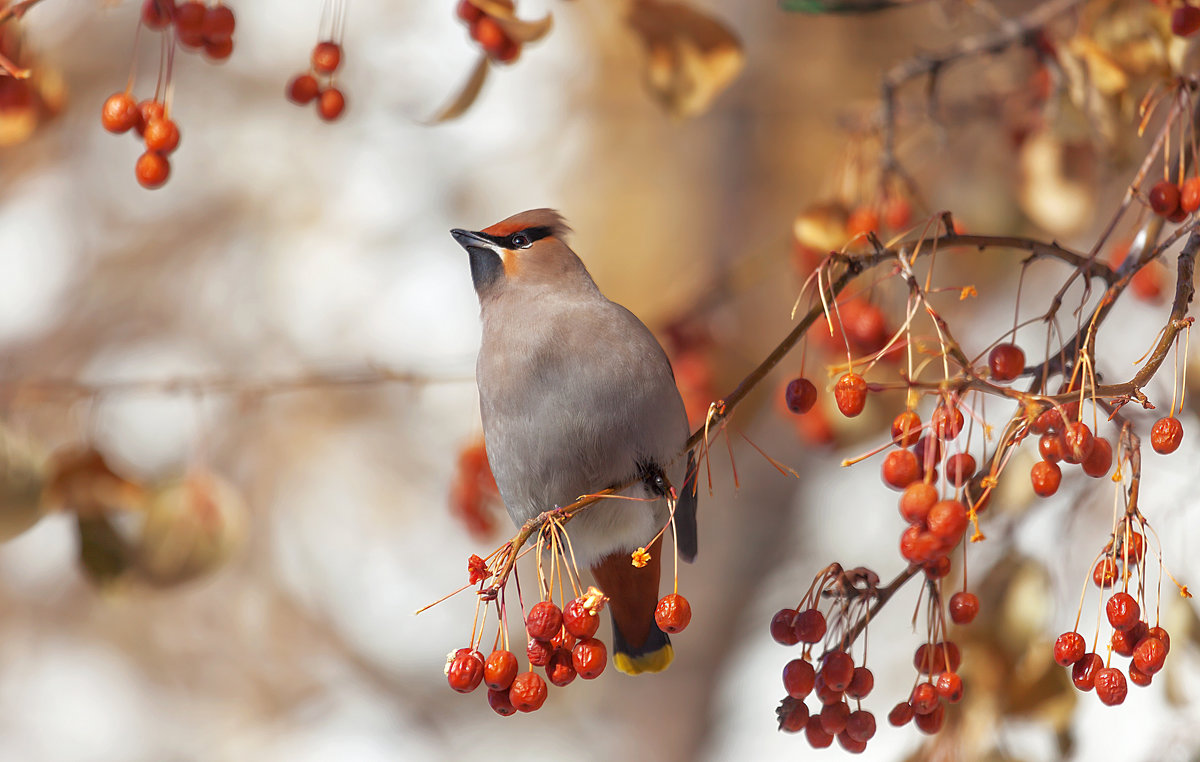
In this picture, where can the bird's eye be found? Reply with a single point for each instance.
(520, 241)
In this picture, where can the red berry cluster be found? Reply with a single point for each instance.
(158, 131)
(1175, 202)
(489, 32)
(894, 212)
(306, 88)
(1066, 439)
(1145, 646)
(197, 26)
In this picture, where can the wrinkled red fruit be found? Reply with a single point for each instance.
(1111, 686)
(1164, 198)
(528, 692)
(801, 395)
(589, 657)
(465, 670)
(1166, 435)
(543, 621)
(560, 670)
(1123, 611)
(949, 687)
(963, 607)
(499, 670)
(850, 393)
(1069, 648)
(1149, 655)
(1083, 673)
(1045, 477)
(1105, 572)
(538, 652)
(673, 613)
(792, 714)
(579, 621)
(1006, 361)
(120, 113)
(906, 429)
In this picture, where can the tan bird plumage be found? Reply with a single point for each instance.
(576, 396)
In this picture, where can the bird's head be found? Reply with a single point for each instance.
(527, 249)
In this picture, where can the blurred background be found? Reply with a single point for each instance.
(276, 351)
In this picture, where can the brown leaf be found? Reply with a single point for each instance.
(466, 96)
(690, 57)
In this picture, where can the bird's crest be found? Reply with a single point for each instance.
(534, 218)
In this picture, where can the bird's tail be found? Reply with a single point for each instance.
(638, 645)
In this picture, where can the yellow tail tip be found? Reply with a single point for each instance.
(654, 661)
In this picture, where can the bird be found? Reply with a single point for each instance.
(577, 396)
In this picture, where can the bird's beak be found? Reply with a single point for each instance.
(487, 265)
(466, 239)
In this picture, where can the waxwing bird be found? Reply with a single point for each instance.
(577, 396)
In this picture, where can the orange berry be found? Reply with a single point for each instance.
(162, 135)
(327, 57)
(152, 169)
(189, 23)
(120, 113)
(963, 607)
(331, 104)
(1166, 435)
(1189, 195)
(218, 50)
(1046, 477)
(850, 393)
(218, 24)
(488, 33)
(1164, 198)
(673, 613)
(147, 110)
(916, 501)
(897, 213)
(906, 428)
(589, 658)
(499, 670)
(900, 469)
(302, 89)
(465, 670)
(862, 220)
(528, 692)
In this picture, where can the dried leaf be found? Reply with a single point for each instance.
(466, 96)
(690, 57)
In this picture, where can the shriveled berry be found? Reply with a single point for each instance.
(949, 687)
(1133, 545)
(834, 717)
(816, 736)
(673, 613)
(544, 620)
(218, 23)
(1006, 361)
(1105, 572)
(792, 715)
(1123, 642)
(960, 468)
(901, 714)
(1111, 686)
(861, 683)
(947, 421)
(528, 692)
(589, 657)
(937, 568)
(1166, 435)
(1189, 194)
(1123, 611)
(498, 701)
(919, 546)
(465, 671)
(1162, 635)
(861, 726)
(850, 393)
(924, 698)
(161, 135)
(327, 57)
(330, 104)
(1083, 672)
(1045, 477)
(900, 469)
(932, 722)
(500, 669)
(538, 652)
(800, 395)
(1164, 198)
(1149, 655)
(579, 620)
(1050, 447)
(837, 669)
(963, 607)
(939, 657)
(1077, 442)
(916, 501)
(810, 626)
(783, 627)
(947, 521)
(563, 639)
(1069, 648)
(798, 678)
(152, 170)
(559, 670)
(1100, 461)
(847, 742)
(1185, 20)
(303, 89)
(1138, 677)
(120, 113)
(906, 428)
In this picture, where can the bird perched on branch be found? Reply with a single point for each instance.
(577, 396)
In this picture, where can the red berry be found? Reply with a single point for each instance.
(488, 33)
(947, 521)
(559, 670)
(468, 11)
(327, 57)
(528, 692)
(218, 50)
(499, 670)
(919, 546)
(579, 620)
(673, 613)
(916, 501)
(1164, 199)
(861, 726)
(1149, 655)
(850, 393)
(834, 717)
(1123, 642)
(148, 110)
(538, 652)
(817, 738)
(950, 687)
(1105, 573)
(798, 678)
(1006, 362)
(302, 89)
(901, 714)
(1069, 648)
(849, 744)
(544, 620)
(801, 395)
(861, 683)
(563, 639)
(897, 213)
(189, 23)
(1163, 637)
(1185, 20)
(963, 607)
(465, 671)
(937, 568)
(162, 135)
(1100, 460)
(1123, 611)
(931, 723)
(589, 657)
(960, 468)
(498, 701)
(1189, 195)
(330, 104)
(924, 698)
(900, 469)
(1077, 442)
(824, 693)
(120, 113)
(152, 170)
(218, 23)
(1132, 547)
(1083, 673)
(947, 421)
(810, 626)
(838, 670)
(940, 657)
(157, 14)
(783, 627)
(1050, 447)
(906, 429)
(1138, 677)
(1166, 434)
(861, 221)
(1045, 477)
(928, 452)
(792, 714)
(1111, 686)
